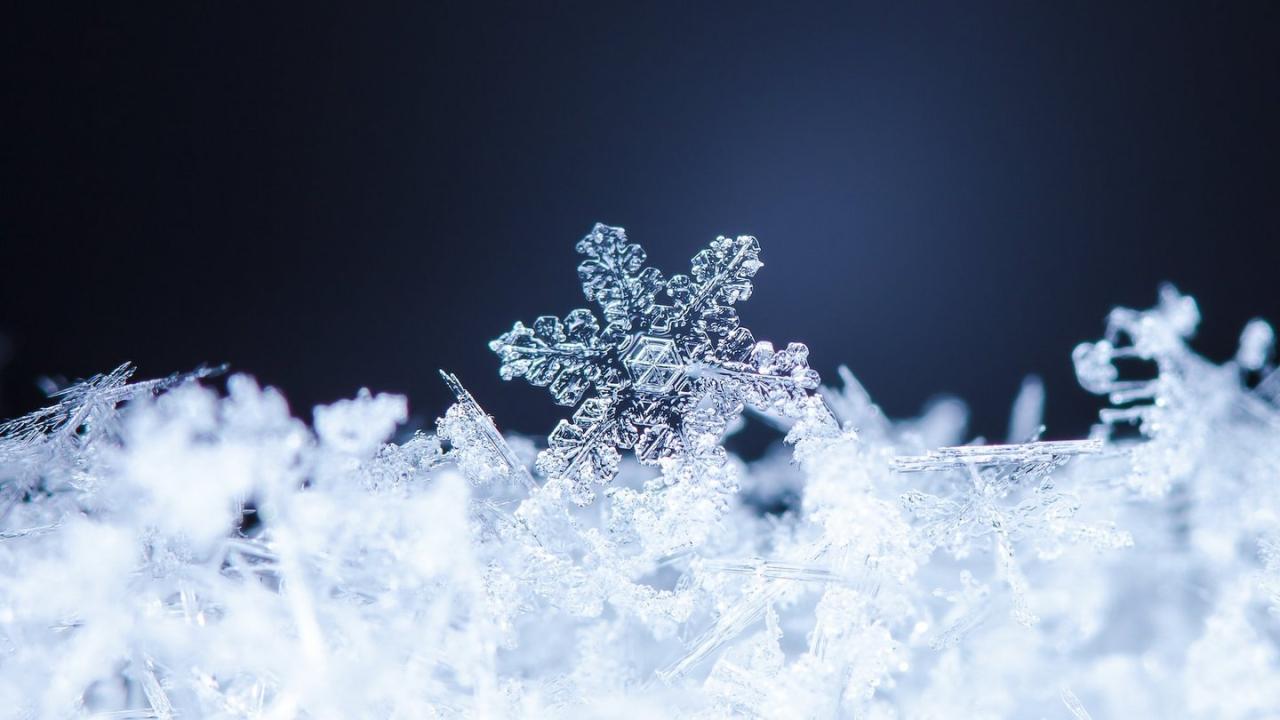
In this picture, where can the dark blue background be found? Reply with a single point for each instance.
(948, 196)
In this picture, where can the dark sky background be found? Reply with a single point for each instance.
(948, 196)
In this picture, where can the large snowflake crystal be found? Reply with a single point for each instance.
(651, 362)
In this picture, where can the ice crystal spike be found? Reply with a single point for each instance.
(1074, 706)
(731, 623)
(1031, 454)
(81, 403)
(784, 570)
(482, 451)
(666, 347)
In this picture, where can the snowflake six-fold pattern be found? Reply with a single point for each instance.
(666, 347)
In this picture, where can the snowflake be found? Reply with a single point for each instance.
(650, 364)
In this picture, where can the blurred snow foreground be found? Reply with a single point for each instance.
(171, 551)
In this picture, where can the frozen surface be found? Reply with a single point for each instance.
(172, 550)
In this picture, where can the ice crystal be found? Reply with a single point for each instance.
(174, 549)
(1008, 496)
(481, 451)
(650, 364)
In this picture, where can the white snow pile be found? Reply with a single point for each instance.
(179, 549)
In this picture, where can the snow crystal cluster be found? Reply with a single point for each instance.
(188, 549)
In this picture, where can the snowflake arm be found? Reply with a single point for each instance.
(766, 379)
(581, 451)
(566, 355)
(720, 276)
(614, 275)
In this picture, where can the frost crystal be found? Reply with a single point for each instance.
(650, 364)
(481, 450)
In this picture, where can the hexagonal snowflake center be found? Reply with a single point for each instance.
(654, 365)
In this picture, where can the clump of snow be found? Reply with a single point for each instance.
(169, 550)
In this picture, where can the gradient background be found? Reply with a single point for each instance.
(948, 196)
